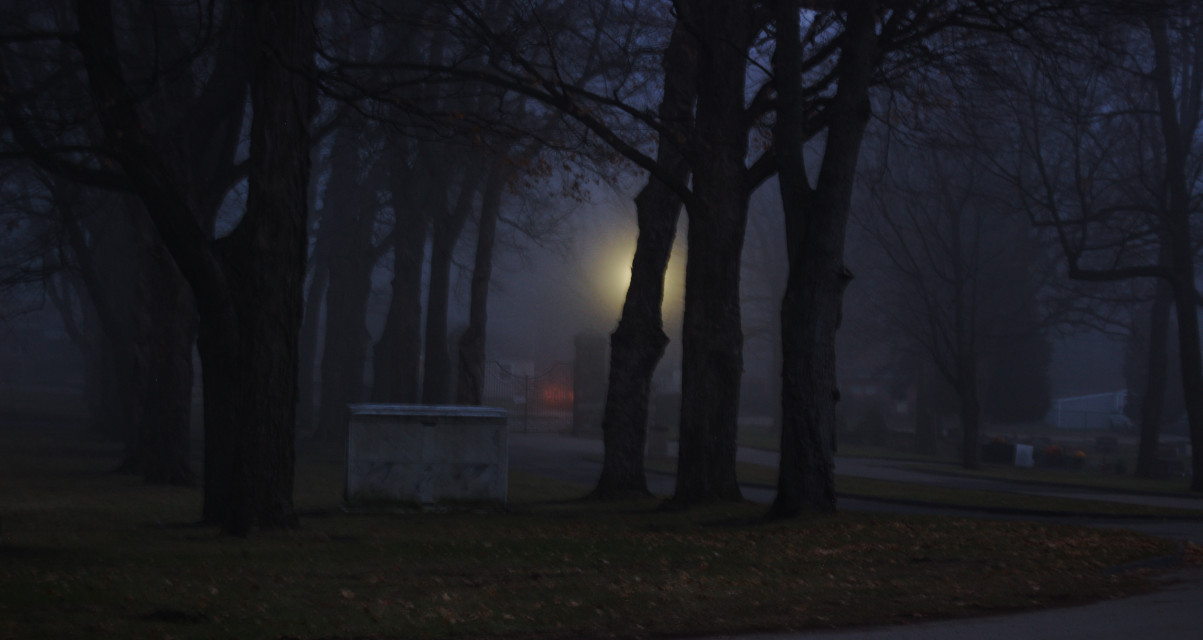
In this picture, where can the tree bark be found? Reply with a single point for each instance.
(469, 388)
(638, 343)
(118, 298)
(311, 323)
(351, 213)
(816, 220)
(248, 286)
(268, 261)
(398, 354)
(1153, 396)
(148, 326)
(1182, 254)
(970, 412)
(925, 413)
(161, 451)
(436, 380)
(712, 338)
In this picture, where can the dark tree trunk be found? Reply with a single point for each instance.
(1153, 397)
(965, 362)
(469, 388)
(249, 333)
(1182, 255)
(120, 302)
(712, 339)
(219, 378)
(168, 331)
(311, 324)
(350, 211)
(398, 354)
(816, 220)
(165, 441)
(149, 326)
(436, 379)
(971, 414)
(925, 416)
(248, 286)
(1192, 364)
(638, 343)
(267, 262)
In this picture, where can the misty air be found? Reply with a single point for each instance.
(601, 319)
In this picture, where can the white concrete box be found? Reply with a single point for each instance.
(426, 454)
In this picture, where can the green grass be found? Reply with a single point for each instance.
(86, 553)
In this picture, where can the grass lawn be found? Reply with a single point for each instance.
(85, 553)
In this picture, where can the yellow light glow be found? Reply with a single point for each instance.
(622, 278)
(617, 280)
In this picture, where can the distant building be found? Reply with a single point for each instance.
(1094, 411)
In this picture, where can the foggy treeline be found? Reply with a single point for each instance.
(238, 176)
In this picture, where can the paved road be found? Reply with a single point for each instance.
(1169, 614)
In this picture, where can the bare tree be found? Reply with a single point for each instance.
(350, 211)
(248, 284)
(959, 269)
(1108, 162)
(195, 120)
(638, 343)
(823, 77)
(397, 354)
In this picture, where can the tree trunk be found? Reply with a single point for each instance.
(925, 416)
(168, 332)
(436, 381)
(398, 354)
(167, 423)
(311, 324)
(816, 221)
(248, 286)
(638, 343)
(119, 299)
(712, 338)
(148, 326)
(1192, 367)
(469, 388)
(1153, 396)
(219, 378)
(971, 415)
(267, 261)
(351, 213)
(1182, 255)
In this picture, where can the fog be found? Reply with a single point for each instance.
(545, 295)
(873, 225)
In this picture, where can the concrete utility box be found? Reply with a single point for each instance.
(426, 454)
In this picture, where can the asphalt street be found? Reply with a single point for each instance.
(1171, 613)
